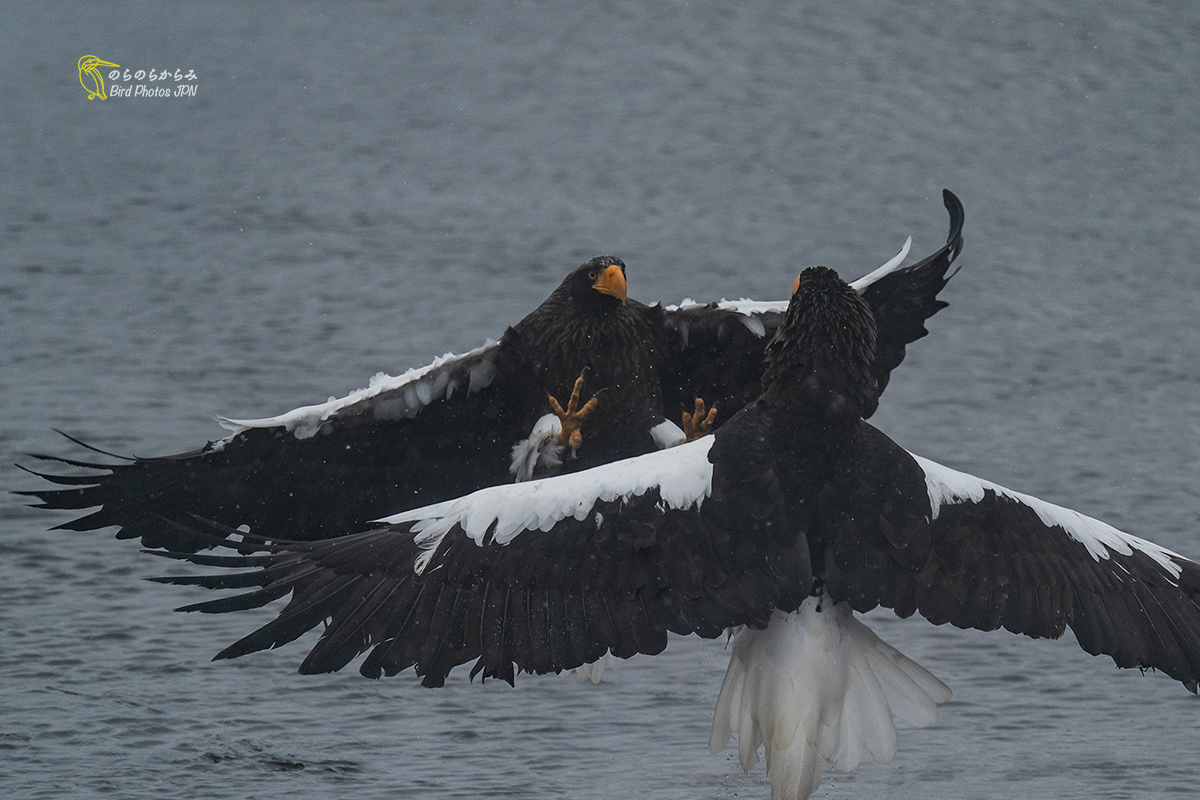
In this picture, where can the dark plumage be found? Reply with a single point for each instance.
(796, 504)
(617, 345)
(450, 428)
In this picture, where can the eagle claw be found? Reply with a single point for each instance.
(572, 418)
(698, 423)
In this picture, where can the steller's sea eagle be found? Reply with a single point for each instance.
(793, 515)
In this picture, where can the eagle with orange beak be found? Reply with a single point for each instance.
(590, 339)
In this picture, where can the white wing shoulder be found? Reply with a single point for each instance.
(389, 397)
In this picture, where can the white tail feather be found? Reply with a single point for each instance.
(818, 682)
(541, 452)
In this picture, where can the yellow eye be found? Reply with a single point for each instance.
(592, 275)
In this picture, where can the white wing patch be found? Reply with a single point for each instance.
(751, 308)
(948, 486)
(407, 394)
(744, 306)
(895, 261)
(682, 475)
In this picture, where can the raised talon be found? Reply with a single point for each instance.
(573, 417)
(698, 424)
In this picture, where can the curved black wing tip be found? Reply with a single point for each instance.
(93, 448)
(952, 203)
(958, 216)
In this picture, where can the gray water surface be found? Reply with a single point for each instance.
(357, 188)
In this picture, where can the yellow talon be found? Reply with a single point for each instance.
(572, 418)
(698, 424)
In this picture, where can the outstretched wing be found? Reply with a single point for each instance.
(955, 548)
(719, 346)
(902, 300)
(541, 576)
(320, 470)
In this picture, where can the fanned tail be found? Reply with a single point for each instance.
(818, 682)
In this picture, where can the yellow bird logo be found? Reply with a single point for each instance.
(87, 67)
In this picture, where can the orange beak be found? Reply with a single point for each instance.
(612, 282)
(795, 284)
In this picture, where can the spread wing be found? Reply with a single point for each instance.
(319, 470)
(719, 346)
(541, 576)
(955, 548)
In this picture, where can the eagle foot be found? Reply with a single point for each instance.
(698, 424)
(572, 418)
